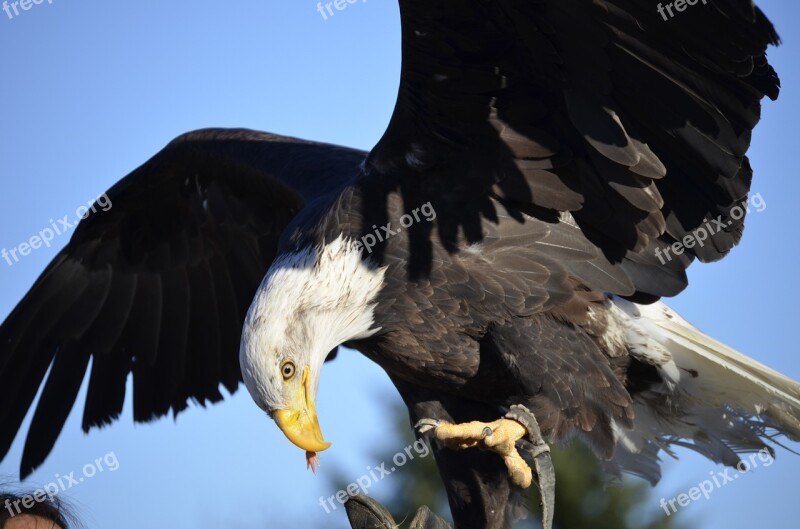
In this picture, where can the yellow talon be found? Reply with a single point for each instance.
(499, 436)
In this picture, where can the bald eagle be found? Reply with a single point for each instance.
(550, 171)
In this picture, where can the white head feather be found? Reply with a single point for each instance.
(309, 302)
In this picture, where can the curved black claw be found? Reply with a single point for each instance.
(537, 448)
(425, 425)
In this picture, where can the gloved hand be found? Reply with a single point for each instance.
(366, 513)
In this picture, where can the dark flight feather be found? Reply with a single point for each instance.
(158, 285)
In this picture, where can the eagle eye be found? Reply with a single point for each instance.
(288, 370)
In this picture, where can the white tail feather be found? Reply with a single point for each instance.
(714, 399)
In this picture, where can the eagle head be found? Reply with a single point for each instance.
(311, 300)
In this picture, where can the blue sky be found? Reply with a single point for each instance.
(93, 89)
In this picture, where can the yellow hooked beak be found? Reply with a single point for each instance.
(299, 421)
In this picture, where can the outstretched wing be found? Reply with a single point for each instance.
(609, 133)
(159, 284)
(598, 113)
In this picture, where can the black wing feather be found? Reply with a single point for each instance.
(158, 285)
(636, 127)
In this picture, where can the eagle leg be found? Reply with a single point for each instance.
(502, 436)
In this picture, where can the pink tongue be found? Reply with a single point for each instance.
(312, 461)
